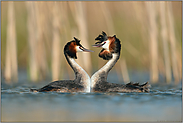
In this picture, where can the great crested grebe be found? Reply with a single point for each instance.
(81, 83)
(111, 51)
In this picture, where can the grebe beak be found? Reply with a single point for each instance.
(98, 45)
(85, 50)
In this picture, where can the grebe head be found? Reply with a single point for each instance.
(74, 46)
(109, 44)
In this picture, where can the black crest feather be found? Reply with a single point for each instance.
(101, 38)
(77, 40)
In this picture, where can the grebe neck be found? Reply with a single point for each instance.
(101, 74)
(80, 74)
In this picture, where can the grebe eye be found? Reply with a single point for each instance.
(80, 48)
(104, 42)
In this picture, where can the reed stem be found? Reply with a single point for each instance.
(172, 42)
(11, 65)
(153, 45)
(124, 70)
(56, 62)
(165, 42)
(32, 31)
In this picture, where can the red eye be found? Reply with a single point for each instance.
(80, 48)
(104, 42)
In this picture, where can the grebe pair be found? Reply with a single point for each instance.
(98, 82)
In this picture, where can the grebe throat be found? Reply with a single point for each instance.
(101, 74)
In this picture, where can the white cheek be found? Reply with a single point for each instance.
(78, 49)
(106, 45)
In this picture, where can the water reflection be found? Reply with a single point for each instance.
(163, 103)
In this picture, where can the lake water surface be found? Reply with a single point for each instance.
(163, 103)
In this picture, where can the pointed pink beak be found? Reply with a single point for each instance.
(97, 45)
(86, 50)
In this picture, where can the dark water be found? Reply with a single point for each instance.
(163, 103)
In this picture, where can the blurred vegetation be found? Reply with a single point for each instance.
(128, 20)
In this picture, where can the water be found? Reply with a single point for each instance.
(163, 103)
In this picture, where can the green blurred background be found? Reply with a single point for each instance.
(33, 35)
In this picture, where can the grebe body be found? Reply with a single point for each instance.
(111, 51)
(81, 83)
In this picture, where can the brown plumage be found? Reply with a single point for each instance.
(112, 44)
(106, 55)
